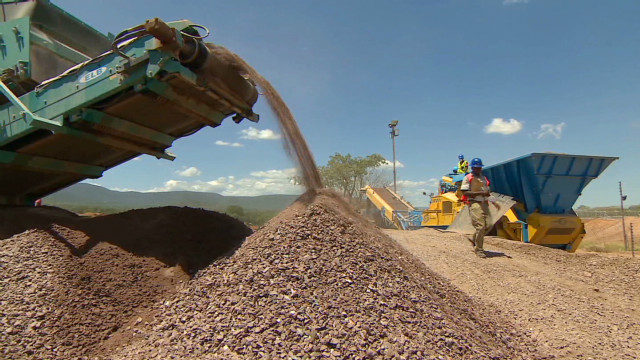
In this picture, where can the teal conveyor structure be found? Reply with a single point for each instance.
(75, 102)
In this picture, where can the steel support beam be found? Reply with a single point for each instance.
(50, 165)
(202, 112)
(104, 139)
(125, 126)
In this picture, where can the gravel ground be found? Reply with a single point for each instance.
(578, 306)
(320, 282)
(317, 282)
(71, 287)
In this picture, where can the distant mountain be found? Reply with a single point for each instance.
(92, 196)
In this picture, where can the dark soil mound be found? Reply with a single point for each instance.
(17, 219)
(320, 282)
(191, 238)
(74, 286)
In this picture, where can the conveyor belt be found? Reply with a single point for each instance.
(110, 109)
(395, 203)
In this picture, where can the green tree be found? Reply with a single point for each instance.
(347, 174)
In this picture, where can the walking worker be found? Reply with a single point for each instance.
(463, 165)
(475, 193)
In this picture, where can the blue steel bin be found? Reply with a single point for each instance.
(548, 182)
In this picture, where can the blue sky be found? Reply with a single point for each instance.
(494, 79)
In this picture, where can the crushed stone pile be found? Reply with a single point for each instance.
(71, 287)
(320, 282)
(17, 219)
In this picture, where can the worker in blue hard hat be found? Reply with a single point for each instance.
(463, 165)
(475, 193)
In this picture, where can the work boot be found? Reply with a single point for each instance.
(481, 254)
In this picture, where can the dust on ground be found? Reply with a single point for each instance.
(579, 306)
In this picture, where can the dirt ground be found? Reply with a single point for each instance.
(318, 281)
(579, 306)
(605, 235)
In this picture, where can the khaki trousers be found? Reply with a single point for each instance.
(480, 219)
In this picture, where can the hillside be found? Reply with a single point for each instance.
(96, 197)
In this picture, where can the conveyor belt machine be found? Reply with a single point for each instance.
(75, 102)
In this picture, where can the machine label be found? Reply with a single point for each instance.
(93, 74)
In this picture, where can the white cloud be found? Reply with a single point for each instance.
(389, 164)
(121, 189)
(551, 130)
(418, 185)
(433, 182)
(504, 127)
(189, 172)
(514, 2)
(137, 158)
(255, 134)
(415, 191)
(266, 182)
(224, 143)
(276, 174)
(405, 184)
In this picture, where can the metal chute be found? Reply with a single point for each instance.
(497, 209)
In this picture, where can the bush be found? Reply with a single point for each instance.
(602, 248)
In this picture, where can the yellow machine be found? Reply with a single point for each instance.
(391, 209)
(535, 194)
(444, 207)
(563, 231)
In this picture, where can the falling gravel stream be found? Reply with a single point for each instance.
(295, 143)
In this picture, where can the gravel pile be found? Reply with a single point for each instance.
(320, 282)
(72, 287)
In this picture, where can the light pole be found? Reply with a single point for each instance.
(394, 132)
(624, 230)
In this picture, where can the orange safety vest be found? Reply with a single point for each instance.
(465, 198)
